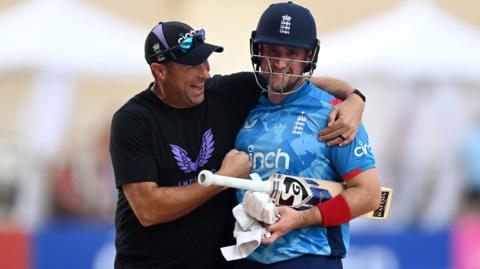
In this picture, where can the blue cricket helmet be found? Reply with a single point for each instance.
(286, 24)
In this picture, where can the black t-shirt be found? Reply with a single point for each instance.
(151, 141)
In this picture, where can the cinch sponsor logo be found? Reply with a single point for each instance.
(271, 159)
(362, 149)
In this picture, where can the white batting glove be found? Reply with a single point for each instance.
(244, 220)
(260, 206)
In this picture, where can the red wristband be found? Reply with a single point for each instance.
(334, 211)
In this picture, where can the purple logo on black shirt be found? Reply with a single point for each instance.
(206, 150)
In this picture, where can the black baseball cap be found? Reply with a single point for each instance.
(166, 42)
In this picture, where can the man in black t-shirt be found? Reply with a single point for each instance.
(161, 138)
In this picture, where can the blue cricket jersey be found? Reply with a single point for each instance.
(283, 139)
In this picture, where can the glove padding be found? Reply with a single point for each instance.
(260, 206)
(244, 221)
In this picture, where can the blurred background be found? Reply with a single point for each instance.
(67, 65)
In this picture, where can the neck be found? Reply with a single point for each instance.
(157, 89)
(276, 98)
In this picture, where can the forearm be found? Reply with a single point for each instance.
(361, 196)
(154, 205)
(335, 87)
(361, 201)
(310, 217)
(178, 202)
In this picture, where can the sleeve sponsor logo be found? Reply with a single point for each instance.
(362, 149)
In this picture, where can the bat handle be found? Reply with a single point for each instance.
(205, 178)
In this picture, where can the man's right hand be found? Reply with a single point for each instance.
(235, 164)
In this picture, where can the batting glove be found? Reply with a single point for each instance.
(260, 206)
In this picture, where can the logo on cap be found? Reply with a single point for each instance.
(158, 52)
(156, 48)
(285, 24)
(185, 36)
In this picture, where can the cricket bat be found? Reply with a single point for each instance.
(294, 191)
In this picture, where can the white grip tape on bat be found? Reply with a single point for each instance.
(207, 178)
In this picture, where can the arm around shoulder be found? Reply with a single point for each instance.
(336, 87)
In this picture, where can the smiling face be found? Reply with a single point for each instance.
(181, 86)
(282, 67)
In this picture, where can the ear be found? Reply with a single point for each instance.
(159, 70)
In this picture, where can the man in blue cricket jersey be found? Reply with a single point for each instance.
(182, 122)
(280, 136)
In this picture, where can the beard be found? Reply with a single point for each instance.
(282, 83)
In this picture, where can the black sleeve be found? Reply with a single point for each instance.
(239, 90)
(130, 149)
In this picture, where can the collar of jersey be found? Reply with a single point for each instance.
(289, 99)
